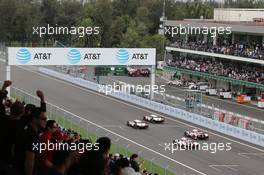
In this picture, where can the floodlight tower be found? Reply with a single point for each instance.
(8, 72)
(161, 32)
(163, 19)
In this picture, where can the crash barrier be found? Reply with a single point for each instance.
(215, 125)
(218, 114)
(228, 117)
(232, 119)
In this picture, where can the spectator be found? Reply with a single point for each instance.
(111, 163)
(29, 108)
(93, 163)
(242, 49)
(25, 119)
(75, 168)
(104, 146)
(221, 68)
(25, 150)
(119, 165)
(9, 124)
(61, 162)
(128, 171)
(25, 126)
(46, 156)
(134, 162)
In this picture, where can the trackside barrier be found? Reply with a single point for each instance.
(221, 127)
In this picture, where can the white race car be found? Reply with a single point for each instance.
(177, 83)
(196, 134)
(153, 118)
(137, 124)
(186, 143)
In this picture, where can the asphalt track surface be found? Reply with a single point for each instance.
(242, 159)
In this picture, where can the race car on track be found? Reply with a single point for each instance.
(196, 134)
(185, 143)
(138, 72)
(137, 124)
(153, 118)
(145, 72)
(176, 83)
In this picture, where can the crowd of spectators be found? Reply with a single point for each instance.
(24, 127)
(236, 71)
(253, 50)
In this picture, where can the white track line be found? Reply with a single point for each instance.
(140, 108)
(225, 166)
(246, 155)
(90, 91)
(109, 131)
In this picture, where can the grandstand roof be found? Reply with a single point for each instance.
(240, 27)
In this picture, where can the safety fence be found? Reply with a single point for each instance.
(241, 133)
(203, 109)
(215, 113)
(120, 145)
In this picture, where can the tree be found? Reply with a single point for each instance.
(103, 18)
(125, 7)
(131, 38)
(86, 40)
(155, 41)
(8, 10)
(49, 13)
(69, 13)
(119, 27)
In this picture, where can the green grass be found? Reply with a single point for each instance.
(86, 134)
(159, 72)
(151, 167)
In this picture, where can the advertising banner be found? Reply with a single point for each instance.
(81, 56)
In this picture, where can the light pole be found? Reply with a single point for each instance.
(8, 72)
(163, 18)
(162, 32)
(166, 169)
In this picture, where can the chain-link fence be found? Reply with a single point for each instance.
(89, 130)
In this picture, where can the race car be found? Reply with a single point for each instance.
(137, 124)
(138, 72)
(185, 143)
(176, 83)
(153, 118)
(196, 134)
(145, 72)
(134, 72)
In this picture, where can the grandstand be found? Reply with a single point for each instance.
(232, 62)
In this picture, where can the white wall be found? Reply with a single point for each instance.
(237, 14)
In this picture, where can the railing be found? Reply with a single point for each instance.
(198, 119)
(90, 130)
(211, 53)
(206, 110)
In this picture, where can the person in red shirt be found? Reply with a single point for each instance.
(47, 136)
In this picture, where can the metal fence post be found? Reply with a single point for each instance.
(166, 169)
(87, 131)
(127, 149)
(151, 165)
(71, 122)
(80, 128)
